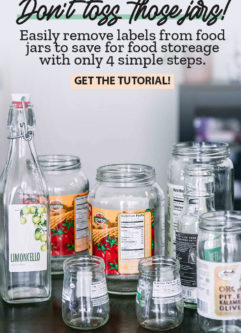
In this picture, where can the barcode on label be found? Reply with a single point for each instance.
(202, 306)
(187, 293)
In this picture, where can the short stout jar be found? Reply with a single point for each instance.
(126, 222)
(68, 191)
(219, 272)
(186, 153)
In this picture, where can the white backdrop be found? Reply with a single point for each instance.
(100, 126)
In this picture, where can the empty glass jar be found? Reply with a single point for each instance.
(159, 303)
(68, 191)
(126, 222)
(219, 272)
(85, 301)
(215, 154)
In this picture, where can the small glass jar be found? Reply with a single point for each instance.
(159, 303)
(85, 301)
(215, 154)
(68, 191)
(126, 222)
(219, 272)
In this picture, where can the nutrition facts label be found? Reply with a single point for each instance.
(81, 217)
(174, 208)
(132, 236)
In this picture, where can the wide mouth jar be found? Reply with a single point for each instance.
(159, 266)
(84, 264)
(126, 175)
(59, 162)
(202, 150)
(221, 222)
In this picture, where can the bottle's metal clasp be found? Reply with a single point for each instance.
(26, 133)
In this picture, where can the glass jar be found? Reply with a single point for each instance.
(198, 199)
(216, 154)
(159, 303)
(68, 191)
(219, 272)
(85, 301)
(126, 222)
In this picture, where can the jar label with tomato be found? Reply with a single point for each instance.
(121, 238)
(69, 224)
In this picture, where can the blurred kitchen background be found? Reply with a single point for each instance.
(125, 125)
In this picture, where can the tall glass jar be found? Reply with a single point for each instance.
(219, 272)
(126, 222)
(216, 154)
(68, 190)
(199, 199)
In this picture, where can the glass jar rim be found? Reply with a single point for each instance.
(59, 162)
(152, 265)
(199, 169)
(202, 150)
(221, 221)
(84, 263)
(124, 174)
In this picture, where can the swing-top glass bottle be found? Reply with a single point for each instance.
(24, 233)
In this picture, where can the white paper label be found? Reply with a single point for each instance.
(219, 290)
(189, 293)
(27, 238)
(81, 217)
(174, 207)
(99, 295)
(83, 286)
(166, 288)
(132, 231)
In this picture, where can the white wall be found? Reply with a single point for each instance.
(99, 126)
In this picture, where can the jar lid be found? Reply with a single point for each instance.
(221, 221)
(124, 174)
(202, 150)
(59, 162)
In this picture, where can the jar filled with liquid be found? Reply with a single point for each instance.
(68, 191)
(126, 222)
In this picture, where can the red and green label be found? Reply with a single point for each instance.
(121, 238)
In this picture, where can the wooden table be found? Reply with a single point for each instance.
(46, 317)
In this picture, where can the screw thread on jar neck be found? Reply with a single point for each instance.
(126, 174)
(221, 221)
(160, 265)
(84, 263)
(202, 151)
(59, 162)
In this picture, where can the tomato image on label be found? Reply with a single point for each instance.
(62, 238)
(69, 224)
(107, 249)
(114, 239)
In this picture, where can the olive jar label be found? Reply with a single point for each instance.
(219, 290)
(121, 238)
(27, 238)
